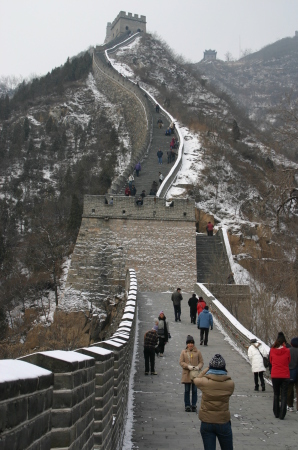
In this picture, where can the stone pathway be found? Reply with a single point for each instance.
(160, 421)
(150, 167)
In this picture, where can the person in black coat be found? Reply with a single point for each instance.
(192, 303)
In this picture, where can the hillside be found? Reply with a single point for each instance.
(259, 82)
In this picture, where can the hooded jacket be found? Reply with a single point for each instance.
(216, 392)
(256, 358)
(280, 359)
(205, 319)
(200, 306)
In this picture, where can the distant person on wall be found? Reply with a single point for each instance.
(201, 305)
(160, 123)
(130, 181)
(172, 127)
(177, 299)
(156, 322)
(150, 342)
(127, 192)
(255, 355)
(209, 228)
(159, 156)
(138, 168)
(139, 201)
(230, 279)
(205, 321)
(133, 190)
(154, 187)
(192, 303)
(143, 194)
(190, 359)
(163, 333)
(280, 358)
(217, 387)
(168, 132)
(293, 366)
(157, 108)
(161, 177)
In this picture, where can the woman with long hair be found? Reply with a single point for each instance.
(163, 332)
(280, 358)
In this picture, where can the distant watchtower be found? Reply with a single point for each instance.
(125, 24)
(210, 55)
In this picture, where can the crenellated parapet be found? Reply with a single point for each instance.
(124, 24)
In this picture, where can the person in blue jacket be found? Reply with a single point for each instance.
(205, 320)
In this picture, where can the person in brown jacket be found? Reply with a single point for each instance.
(216, 387)
(190, 358)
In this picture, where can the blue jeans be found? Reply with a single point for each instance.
(160, 160)
(223, 432)
(194, 394)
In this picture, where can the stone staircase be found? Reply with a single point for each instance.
(149, 161)
(212, 262)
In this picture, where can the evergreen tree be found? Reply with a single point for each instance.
(26, 128)
(75, 215)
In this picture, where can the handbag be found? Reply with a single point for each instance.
(265, 359)
(194, 374)
(293, 375)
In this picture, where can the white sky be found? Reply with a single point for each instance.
(38, 35)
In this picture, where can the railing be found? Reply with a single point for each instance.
(71, 399)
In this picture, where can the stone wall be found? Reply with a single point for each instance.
(158, 241)
(26, 398)
(124, 22)
(70, 400)
(132, 105)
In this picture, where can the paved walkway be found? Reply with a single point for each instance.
(160, 421)
(150, 166)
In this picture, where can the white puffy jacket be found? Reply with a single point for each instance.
(255, 358)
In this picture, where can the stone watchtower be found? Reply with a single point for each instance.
(125, 24)
(210, 55)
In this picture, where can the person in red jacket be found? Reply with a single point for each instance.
(280, 358)
(209, 228)
(201, 305)
(127, 191)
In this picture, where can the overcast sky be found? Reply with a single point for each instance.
(38, 35)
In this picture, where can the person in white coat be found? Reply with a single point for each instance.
(255, 354)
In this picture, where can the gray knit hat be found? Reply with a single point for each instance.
(217, 362)
(189, 339)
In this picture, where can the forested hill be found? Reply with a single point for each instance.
(59, 139)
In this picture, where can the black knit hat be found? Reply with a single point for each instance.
(253, 341)
(189, 339)
(217, 362)
(294, 342)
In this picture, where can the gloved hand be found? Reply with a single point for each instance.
(211, 328)
(190, 367)
(197, 367)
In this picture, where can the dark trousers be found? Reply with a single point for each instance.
(161, 345)
(291, 394)
(149, 355)
(193, 316)
(258, 375)
(221, 431)
(177, 312)
(202, 332)
(209, 232)
(280, 388)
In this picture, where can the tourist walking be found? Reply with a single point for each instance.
(209, 229)
(280, 358)
(159, 123)
(159, 156)
(150, 342)
(293, 366)
(205, 320)
(190, 359)
(157, 108)
(163, 333)
(138, 168)
(217, 387)
(161, 177)
(192, 303)
(201, 305)
(256, 352)
(177, 299)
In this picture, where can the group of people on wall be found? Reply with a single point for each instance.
(214, 381)
(283, 365)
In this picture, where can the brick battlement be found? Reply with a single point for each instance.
(128, 16)
(126, 208)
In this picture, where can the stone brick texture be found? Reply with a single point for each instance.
(133, 107)
(25, 413)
